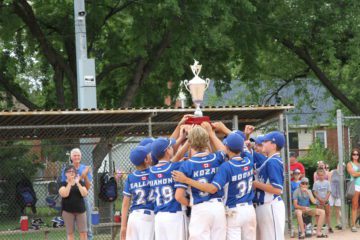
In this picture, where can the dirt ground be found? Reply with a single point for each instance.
(338, 235)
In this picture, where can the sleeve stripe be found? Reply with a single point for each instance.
(277, 185)
(126, 193)
(180, 185)
(217, 185)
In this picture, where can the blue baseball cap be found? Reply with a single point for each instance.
(159, 146)
(276, 137)
(234, 142)
(241, 133)
(138, 155)
(146, 141)
(259, 139)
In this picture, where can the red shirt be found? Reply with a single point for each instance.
(299, 166)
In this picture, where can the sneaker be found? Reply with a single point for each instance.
(331, 230)
(353, 229)
(338, 227)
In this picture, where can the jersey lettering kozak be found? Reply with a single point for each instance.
(271, 171)
(202, 169)
(236, 177)
(162, 187)
(137, 187)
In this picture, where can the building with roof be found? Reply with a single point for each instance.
(313, 118)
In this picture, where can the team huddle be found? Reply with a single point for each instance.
(194, 186)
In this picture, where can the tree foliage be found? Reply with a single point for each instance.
(140, 45)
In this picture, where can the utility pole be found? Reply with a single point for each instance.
(85, 67)
(86, 88)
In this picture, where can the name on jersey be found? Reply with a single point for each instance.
(242, 176)
(138, 184)
(204, 172)
(162, 181)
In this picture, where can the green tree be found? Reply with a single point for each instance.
(140, 45)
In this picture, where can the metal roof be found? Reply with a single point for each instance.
(76, 123)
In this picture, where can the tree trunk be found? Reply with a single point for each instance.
(24, 10)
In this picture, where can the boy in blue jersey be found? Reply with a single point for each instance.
(140, 225)
(270, 210)
(208, 219)
(257, 153)
(169, 217)
(236, 177)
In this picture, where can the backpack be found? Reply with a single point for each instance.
(25, 194)
(108, 187)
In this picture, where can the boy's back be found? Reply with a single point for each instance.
(137, 187)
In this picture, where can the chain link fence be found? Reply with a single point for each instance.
(42, 161)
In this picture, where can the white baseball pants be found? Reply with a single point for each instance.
(208, 221)
(170, 226)
(271, 220)
(140, 225)
(241, 223)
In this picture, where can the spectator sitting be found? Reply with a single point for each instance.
(322, 192)
(294, 164)
(302, 197)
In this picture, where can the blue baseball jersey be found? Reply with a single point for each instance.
(247, 154)
(258, 158)
(162, 187)
(271, 171)
(79, 171)
(236, 177)
(137, 187)
(202, 169)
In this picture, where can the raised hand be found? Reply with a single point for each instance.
(249, 129)
(207, 126)
(77, 179)
(184, 118)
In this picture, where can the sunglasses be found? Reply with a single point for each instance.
(355, 154)
(304, 183)
(70, 171)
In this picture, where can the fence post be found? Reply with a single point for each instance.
(283, 127)
(235, 123)
(339, 124)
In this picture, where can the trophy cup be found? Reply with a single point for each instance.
(197, 87)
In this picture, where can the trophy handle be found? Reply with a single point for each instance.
(186, 84)
(207, 81)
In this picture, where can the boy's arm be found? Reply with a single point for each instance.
(124, 216)
(214, 140)
(181, 152)
(180, 197)
(267, 187)
(328, 192)
(176, 132)
(204, 187)
(311, 196)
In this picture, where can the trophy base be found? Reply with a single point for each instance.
(197, 120)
